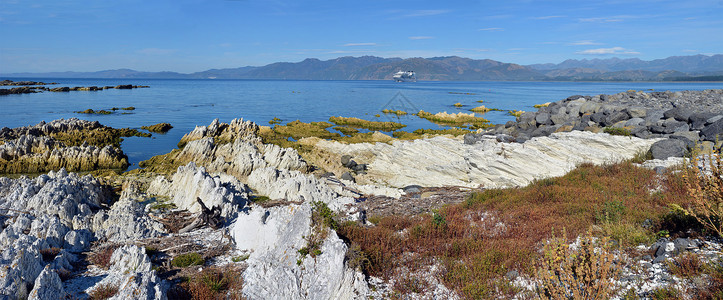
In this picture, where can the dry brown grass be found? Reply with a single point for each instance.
(686, 265)
(101, 257)
(705, 189)
(476, 252)
(103, 292)
(582, 273)
(211, 284)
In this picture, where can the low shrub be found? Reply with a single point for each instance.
(686, 265)
(101, 257)
(583, 273)
(103, 292)
(187, 260)
(212, 283)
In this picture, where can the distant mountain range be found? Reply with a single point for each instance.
(696, 67)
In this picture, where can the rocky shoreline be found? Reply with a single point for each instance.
(683, 119)
(29, 87)
(263, 211)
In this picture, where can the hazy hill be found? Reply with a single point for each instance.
(442, 68)
(687, 64)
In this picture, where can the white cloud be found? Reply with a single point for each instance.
(584, 43)
(359, 44)
(605, 51)
(420, 37)
(691, 51)
(547, 17)
(491, 29)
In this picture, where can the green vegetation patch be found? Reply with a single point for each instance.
(371, 125)
(187, 260)
(617, 131)
(159, 128)
(94, 112)
(421, 133)
(346, 130)
(99, 137)
(394, 112)
(455, 119)
(275, 120)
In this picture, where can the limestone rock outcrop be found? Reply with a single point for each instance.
(131, 272)
(73, 144)
(191, 182)
(277, 270)
(488, 163)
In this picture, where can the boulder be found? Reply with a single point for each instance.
(590, 107)
(636, 112)
(690, 137)
(543, 119)
(699, 120)
(678, 113)
(713, 132)
(634, 122)
(669, 148)
(616, 117)
(598, 117)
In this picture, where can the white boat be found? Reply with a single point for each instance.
(404, 76)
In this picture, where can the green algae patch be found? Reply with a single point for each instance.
(94, 112)
(480, 109)
(457, 119)
(99, 137)
(346, 130)
(275, 121)
(515, 113)
(394, 112)
(458, 104)
(542, 105)
(424, 133)
(159, 128)
(370, 125)
(298, 130)
(161, 164)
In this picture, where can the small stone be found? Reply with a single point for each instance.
(348, 176)
(345, 159)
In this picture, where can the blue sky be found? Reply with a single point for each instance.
(195, 35)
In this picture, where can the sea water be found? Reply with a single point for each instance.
(189, 103)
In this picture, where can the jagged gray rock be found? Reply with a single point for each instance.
(276, 270)
(191, 182)
(131, 272)
(47, 286)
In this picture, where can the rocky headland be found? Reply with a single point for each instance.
(286, 220)
(72, 144)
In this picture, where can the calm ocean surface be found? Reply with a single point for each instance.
(188, 103)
